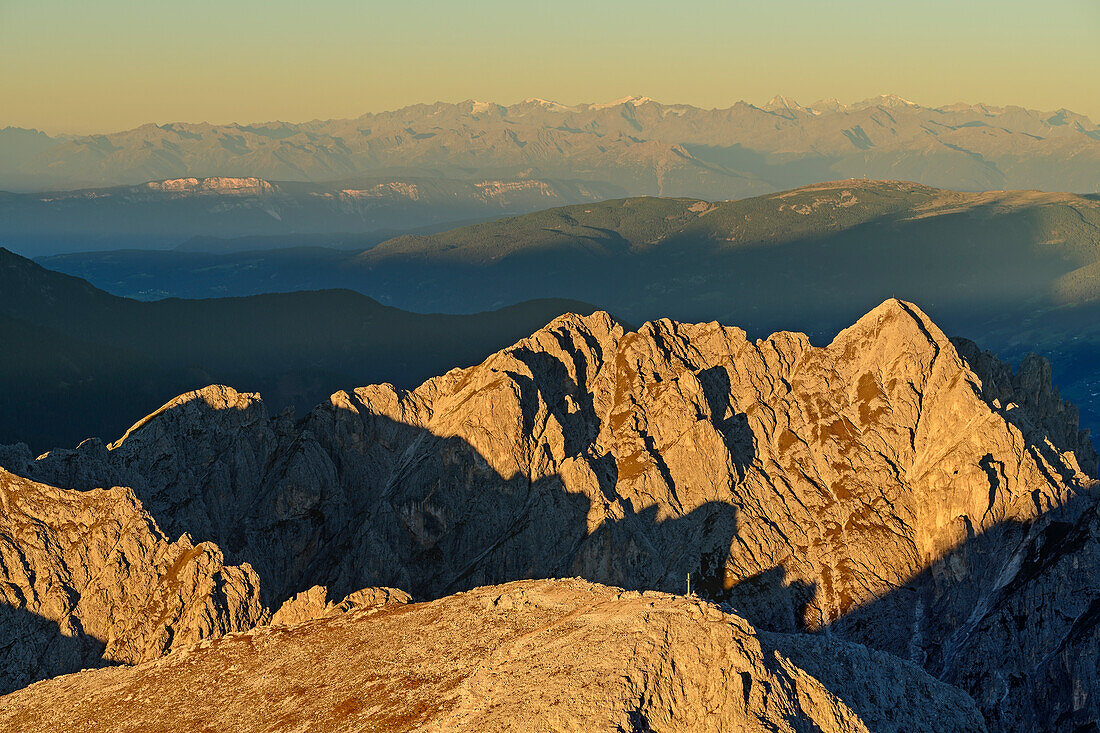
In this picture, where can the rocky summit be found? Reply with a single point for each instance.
(561, 655)
(894, 490)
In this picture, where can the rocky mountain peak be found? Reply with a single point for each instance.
(780, 103)
(888, 487)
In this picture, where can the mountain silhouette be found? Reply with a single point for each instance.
(86, 362)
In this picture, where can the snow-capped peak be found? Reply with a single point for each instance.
(781, 102)
(886, 100)
(547, 104)
(633, 101)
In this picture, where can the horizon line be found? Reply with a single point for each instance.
(778, 101)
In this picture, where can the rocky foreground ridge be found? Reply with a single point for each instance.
(530, 655)
(894, 488)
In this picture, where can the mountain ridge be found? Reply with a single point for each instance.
(85, 361)
(1016, 271)
(637, 144)
(897, 488)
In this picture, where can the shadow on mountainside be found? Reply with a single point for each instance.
(448, 522)
(348, 499)
(1010, 615)
(319, 508)
(33, 648)
(966, 267)
(76, 359)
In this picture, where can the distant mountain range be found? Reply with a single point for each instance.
(78, 362)
(878, 526)
(1017, 270)
(635, 145)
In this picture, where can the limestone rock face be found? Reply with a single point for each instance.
(1030, 656)
(888, 487)
(89, 579)
(527, 656)
(305, 606)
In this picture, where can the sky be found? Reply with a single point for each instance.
(83, 67)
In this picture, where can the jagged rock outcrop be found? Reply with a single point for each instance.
(314, 603)
(531, 655)
(87, 578)
(1047, 418)
(1030, 656)
(886, 486)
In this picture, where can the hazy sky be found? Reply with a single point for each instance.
(106, 65)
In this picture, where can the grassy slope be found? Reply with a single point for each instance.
(644, 225)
